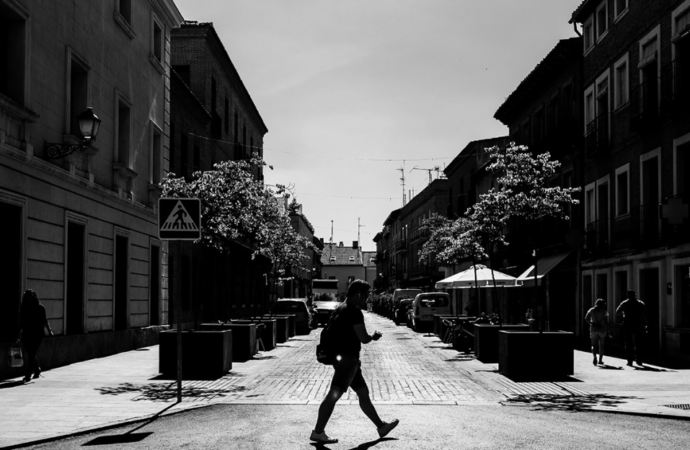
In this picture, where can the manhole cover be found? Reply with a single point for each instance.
(683, 406)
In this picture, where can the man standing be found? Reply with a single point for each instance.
(347, 324)
(634, 326)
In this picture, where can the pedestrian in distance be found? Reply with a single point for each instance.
(634, 326)
(598, 319)
(32, 322)
(347, 323)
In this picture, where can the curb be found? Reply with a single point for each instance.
(97, 428)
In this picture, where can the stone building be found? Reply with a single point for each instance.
(81, 228)
(636, 128)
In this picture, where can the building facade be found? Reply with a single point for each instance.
(213, 119)
(636, 92)
(82, 227)
(343, 263)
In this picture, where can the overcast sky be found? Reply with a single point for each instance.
(353, 90)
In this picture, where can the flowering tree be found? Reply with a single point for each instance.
(237, 207)
(522, 191)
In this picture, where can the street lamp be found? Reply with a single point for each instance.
(89, 123)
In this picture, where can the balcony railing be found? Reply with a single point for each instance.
(420, 271)
(401, 245)
(418, 234)
(644, 105)
(597, 139)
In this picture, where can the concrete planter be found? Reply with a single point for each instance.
(486, 340)
(243, 338)
(282, 324)
(292, 322)
(206, 355)
(268, 337)
(535, 355)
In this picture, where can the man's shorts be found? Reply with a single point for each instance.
(348, 373)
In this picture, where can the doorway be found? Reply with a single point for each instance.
(649, 294)
(154, 286)
(10, 271)
(74, 309)
(121, 284)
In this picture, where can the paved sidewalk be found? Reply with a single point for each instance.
(403, 368)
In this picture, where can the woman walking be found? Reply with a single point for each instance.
(32, 320)
(598, 319)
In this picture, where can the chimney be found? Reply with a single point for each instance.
(355, 244)
(341, 244)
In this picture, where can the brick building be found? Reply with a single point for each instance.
(544, 113)
(81, 229)
(637, 143)
(213, 119)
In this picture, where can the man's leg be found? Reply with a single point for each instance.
(639, 345)
(368, 407)
(630, 346)
(326, 408)
(342, 378)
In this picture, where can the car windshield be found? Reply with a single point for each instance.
(331, 305)
(434, 302)
(290, 307)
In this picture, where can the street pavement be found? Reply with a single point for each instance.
(403, 368)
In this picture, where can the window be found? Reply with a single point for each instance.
(75, 273)
(351, 258)
(125, 10)
(588, 33)
(681, 167)
(620, 82)
(620, 287)
(13, 38)
(602, 19)
(155, 158)
(623, 190)
(650, 194)
(681, 53)
(589, 107)
(78, 92)
(332, 259)
(602, 107)
(123, 132)
(590, 204)
(157, 40)
(648, 96)
(620, 7)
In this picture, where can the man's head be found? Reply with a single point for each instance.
(631, 294)
(358, 288)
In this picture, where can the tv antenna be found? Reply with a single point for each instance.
(402, 179)
(436, 169)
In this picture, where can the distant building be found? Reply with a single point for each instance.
(342, 263)
(369, 261)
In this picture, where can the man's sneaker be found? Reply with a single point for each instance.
(387, 427)
(322, 438)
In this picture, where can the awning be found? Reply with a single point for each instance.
(478, 276)
(544, 266)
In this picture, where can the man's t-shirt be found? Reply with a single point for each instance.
(346, 316)
(633, 313)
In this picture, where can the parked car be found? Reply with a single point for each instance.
(298, 307)
(398, 295)
(400, 314)
(324, 311)
(424, 307)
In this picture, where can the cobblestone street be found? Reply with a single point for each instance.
(403, 368)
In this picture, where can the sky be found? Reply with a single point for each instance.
(358, 93)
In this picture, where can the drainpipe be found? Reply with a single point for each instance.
(576, 31)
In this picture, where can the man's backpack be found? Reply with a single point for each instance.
(326, 348)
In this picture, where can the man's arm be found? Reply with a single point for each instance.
(364, 337)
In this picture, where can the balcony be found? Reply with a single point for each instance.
(419, 233)
(597, 139)
(401, 246)
(422, 271)
(644, 106)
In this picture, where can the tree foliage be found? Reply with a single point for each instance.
(522, 190)
(236, 207)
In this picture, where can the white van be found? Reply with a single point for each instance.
(424, 307)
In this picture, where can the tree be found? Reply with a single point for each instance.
(237, 207)
(522, 191)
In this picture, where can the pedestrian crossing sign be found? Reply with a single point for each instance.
(179, 219)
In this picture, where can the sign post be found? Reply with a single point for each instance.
(179, 219)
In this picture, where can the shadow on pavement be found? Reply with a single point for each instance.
(372, 443)
(165, 392)
(11, 384)
(567, 402)
(608, 367)
(460, 358)
(651, 369)
(130, 436)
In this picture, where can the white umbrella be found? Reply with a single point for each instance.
(483, 279)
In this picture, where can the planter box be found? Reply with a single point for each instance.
(534, 355)
(282, 324)
(486, 340)
(205, 354)
(291, 325)
(268, 337)
(243, 338)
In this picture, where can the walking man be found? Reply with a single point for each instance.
(348, 324)
(634, 326)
